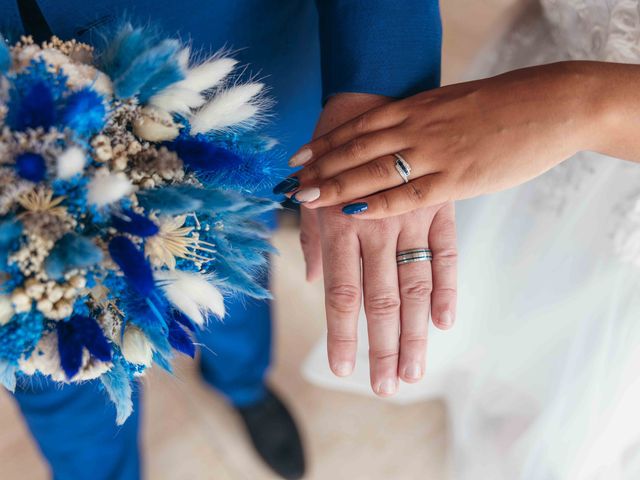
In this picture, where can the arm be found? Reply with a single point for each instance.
(400, 43)
(478, 137)
(381, 47)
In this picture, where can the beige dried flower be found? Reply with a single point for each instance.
(40, 200)
(174, 240)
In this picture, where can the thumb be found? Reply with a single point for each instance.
(310, 242)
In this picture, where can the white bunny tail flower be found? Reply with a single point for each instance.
(192, 294)
(177, 100)
(136, 347)
(208, 74)
(108, 188)
(236, 107)
(71, 162)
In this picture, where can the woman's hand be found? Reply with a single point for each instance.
(460, 141)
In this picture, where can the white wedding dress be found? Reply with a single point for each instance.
(541, 374)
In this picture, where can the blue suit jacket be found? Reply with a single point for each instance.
(305, 50)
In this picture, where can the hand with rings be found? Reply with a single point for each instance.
(402, 268)
(461, 140)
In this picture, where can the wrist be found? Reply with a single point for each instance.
(591, 111)
(613, 109)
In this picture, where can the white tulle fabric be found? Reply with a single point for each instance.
(541, 374)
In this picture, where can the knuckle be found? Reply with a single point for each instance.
(447, 257)
(306, 240)
(449, 292)
(329, 141)
(335, 185)
(378, 169)
(417, 290)
(384, 203)
(415, 193)
(343, 298)
(383, 304)
(338, 341)
(312, 171)
(381, 355)
(414, 341)
(446, 229)
(355, 148)
(362, 123)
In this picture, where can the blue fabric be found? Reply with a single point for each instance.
(383, 47)
(75, 430)
(236, 353)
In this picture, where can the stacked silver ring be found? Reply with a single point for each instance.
(414, 255)
(403, 168)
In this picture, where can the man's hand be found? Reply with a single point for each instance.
(397, 299)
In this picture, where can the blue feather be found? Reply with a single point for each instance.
(183, 320)
(69, 349)
(84, 112)
(145, 66)
(123, 49)
(228, 162)
(149, 314)
(168, 200)
(31, 166)
(169, 74)
(20, 336)
(163, 361)
(258, 206)
(35, 108)
(75, 334)
(238, 280)
(131, 222)
(5, 56)
(133, 264)
(201, 155)
(118, 386)
(71, 251)
(180, 339)
(92, 337)
(10, 231)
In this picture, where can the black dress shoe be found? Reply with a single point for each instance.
(275, 436)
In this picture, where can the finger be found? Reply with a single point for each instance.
(415, 295)
(341, 264)
(442, 237)
(310, 243)
(382, 306)
(378, 118)
(375, 176)
(353, 153)
(425, 191)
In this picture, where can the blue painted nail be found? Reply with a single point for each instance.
(355, 208)
(286, 186)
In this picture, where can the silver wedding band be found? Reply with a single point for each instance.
(403, 168)
(414, 255)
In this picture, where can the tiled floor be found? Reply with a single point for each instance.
(189, 433)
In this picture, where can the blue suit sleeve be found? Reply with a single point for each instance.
(384, 47)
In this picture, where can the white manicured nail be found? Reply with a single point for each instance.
(300, 158)
(306, 195)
